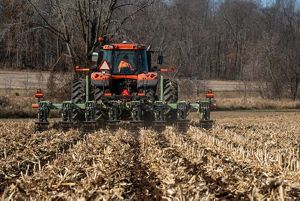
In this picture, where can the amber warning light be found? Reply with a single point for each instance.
(39, 94)
(210, 94)
(35, 106)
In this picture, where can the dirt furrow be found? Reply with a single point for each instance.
(197, 158)
(118, 173)
(145, 183)
(178, 178)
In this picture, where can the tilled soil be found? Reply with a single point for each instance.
(239, 160)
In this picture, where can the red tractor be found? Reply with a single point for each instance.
(124, 86)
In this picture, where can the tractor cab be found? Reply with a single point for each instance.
(123, 70)
(123, 59)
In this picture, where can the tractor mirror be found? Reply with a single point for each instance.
(160, 60)
(95, 56)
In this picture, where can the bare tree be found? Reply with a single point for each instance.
(79, 23)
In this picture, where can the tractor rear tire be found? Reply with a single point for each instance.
(150, 94)
(78, 90)
(98, 94)
(170, 91)
(77, 96)
(170, 96)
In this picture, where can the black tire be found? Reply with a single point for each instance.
(170, 91)
(98, 94)
(78, 90)
(150, 94)
(77, 97)
(170, 96)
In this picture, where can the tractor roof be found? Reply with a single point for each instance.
(124, 46)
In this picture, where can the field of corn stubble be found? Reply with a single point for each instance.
(249, 158)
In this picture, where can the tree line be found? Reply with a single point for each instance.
(204, 39)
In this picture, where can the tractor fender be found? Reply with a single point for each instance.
(101, 79)
(147, 80)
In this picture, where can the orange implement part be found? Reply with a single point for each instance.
(167, 70)
(210, 95)
(35, 106)
(141, 94)
(124, 46)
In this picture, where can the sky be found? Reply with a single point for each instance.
(265, 3)
(270, 2)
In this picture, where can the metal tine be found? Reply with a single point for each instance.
(159, 126)
(136, 126)
(40, 127)
(88, 127)
(182, 126)
(113, 126)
